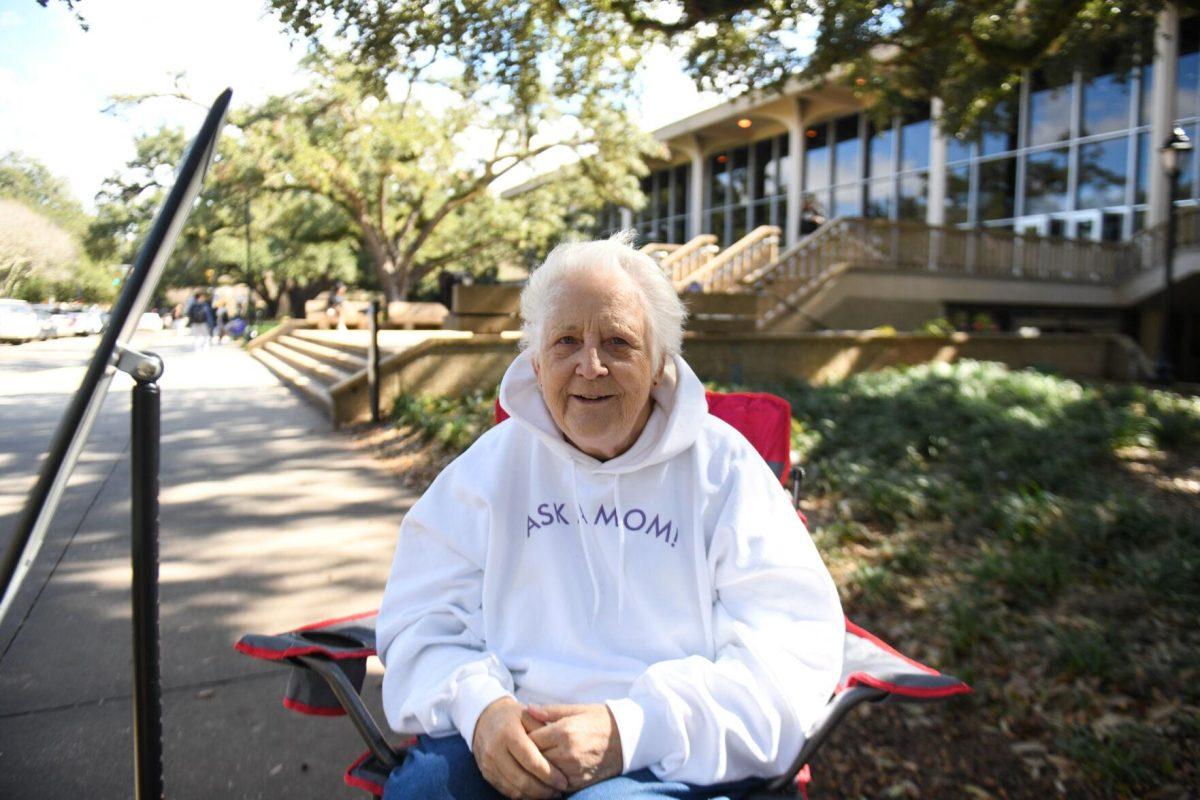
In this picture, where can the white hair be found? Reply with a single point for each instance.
(664, 310)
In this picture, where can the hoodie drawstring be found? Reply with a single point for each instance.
(620, 546)
(587, 557)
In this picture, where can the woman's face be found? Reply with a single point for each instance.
(594, 364)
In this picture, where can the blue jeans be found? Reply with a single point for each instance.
(444, 769)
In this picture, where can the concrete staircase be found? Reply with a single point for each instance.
(313, 362)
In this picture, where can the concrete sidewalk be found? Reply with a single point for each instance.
(268, 521)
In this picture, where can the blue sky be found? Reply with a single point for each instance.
(56, 78)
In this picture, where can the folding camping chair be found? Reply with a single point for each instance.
(329, 659)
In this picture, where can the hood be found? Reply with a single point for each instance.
(674, 424)
(675, 421)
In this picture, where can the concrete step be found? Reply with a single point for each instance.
(311, 389)
(323, 352)
(305, 363)
(354, 343)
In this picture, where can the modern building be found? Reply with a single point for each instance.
(1051, 219)
(1076, 160)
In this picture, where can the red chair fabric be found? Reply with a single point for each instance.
(764, 419)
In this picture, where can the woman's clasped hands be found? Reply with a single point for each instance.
(543, 751)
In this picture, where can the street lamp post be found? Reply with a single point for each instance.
(1176, 143)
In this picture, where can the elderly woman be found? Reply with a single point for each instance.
(609, 595)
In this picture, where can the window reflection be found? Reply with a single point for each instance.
(1147, 94)
(914, 191)
(958, 194)
(1045, 181)
(1142, 193)
(1000, 131)
(997, 188)
(1187, 98)
(683, 180)
(879, 150)
(816, 157)
(879, 198)
(716, 226)
(764, 170)
(914, 142)
(845, 201)
(846, 149)
(1105, 105)
(1049, 114)
(1102, 169)
(957, 149)
(739, 175)
(718, 180)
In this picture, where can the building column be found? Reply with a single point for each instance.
(1162, 107)
(935, 211)
(626, 218)
(696, 190)
(795, 188)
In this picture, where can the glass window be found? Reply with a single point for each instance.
(1000, 132)
(816, 157)
(958, 194)
(1147, 94)
(1111, 226)
(1105, 105)
(763, 215)
(738, 218)
(914, 142)
(1142, 193)
(679, 230)
(739, 175)
(764, 170)
(815, 205)
(783, 169)
(1188, 97)
(1184, 189)
(997, 188)
(1045, 181)
(781, 212)
(845, 201)
(683, 180)
(846, 150)
(1102, 169)
(1049, 114)
(914, 194)
(662, 192)
(879, 150)
(957, 149)
(718, 180)
(879, 198)
(716, 226)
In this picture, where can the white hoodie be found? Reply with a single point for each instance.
(674, 583)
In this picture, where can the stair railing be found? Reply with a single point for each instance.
(724, 272)
(689, 257)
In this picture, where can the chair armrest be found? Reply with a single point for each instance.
(830, 717)
(347, 696)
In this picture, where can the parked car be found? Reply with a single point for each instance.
(150, 321)
(18, 321)
(89, 321)
(61, 320)
(46, 319)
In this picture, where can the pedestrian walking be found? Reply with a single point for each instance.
(201, 321)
